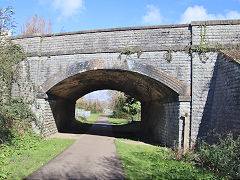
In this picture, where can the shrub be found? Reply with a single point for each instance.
(222, 157)
(15, 117)
(15, 114)
(127, 107)
(120, 114)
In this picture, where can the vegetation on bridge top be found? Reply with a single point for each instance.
(233, 54)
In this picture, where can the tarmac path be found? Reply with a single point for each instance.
(93, 156)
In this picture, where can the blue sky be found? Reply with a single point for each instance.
(76, 15)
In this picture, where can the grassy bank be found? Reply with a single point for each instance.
(117, 121)
(152, 162)
(90, 120)
(19, 161)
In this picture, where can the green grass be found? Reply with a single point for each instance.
(91, 119)
(152, 162)
(117, 121)
(31, 159)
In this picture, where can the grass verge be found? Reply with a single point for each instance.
(91, 119)
(152, 162)
(24, 162)
(117, 121)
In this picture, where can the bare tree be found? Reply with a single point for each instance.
(36, 26)
(7, 22)
(114, 95)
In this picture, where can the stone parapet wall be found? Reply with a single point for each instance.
(146, 39)
(216, 32)
(113, 40)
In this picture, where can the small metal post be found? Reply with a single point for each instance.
(186, 133)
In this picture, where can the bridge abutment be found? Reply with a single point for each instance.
(63, 112)
(164, 122)
(55, 115)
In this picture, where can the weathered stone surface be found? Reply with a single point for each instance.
(216, 95)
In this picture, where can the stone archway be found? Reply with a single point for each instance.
(127, 65)
(160, 94)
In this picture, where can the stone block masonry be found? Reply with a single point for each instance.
(225, 110)
(215, 95)
(167, 78)
(107, 41)
(216, 32)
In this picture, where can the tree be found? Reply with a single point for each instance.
(6, 20)
(127, 107)
(81, 104)
(36, 26)
(131, 106)
(114, 95)
(94, 106)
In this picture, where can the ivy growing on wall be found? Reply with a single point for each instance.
(15, 113)
(11, 55)
(203, 46)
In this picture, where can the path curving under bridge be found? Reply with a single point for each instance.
(90, 157)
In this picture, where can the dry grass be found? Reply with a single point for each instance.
(232, 53)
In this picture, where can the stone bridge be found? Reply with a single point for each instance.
(179, 86)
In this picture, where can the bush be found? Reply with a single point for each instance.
(222, 157)
(15, 117)
(127, 107)
(120, 114)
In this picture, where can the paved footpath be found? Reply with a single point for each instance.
(90, 157)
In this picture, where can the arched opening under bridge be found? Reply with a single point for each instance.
(160, 95)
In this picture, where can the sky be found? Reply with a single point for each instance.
(77, 15)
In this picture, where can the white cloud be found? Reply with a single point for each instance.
(68, 7)
(153, 15)
(232, 15)
(199, 13)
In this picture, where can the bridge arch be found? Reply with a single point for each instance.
(164, 83)
(159, 92)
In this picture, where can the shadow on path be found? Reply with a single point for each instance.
(103, 128)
